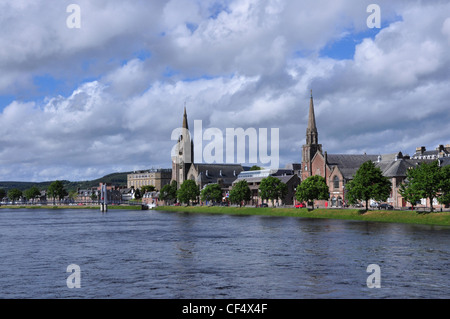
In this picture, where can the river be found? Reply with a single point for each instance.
(171, 255)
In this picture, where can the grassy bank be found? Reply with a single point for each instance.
(409, 217)
(110, 207)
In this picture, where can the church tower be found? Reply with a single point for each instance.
(184, 153)
(312, 145)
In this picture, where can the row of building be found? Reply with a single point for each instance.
(337, 169)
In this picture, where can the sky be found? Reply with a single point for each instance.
(77, 103)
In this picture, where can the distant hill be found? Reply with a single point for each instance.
(119, 179)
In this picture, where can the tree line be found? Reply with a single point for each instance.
(271, 188)
(426, 180)
(55, 190)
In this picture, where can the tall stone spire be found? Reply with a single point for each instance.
(312, 145)
(185, 121)
(184, 155)
(312, 137)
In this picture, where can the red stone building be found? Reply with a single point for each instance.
(338, 169)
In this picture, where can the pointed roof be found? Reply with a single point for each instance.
(185, 121)
(312, 118)
(312, 136)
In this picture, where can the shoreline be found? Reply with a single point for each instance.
(389, 216)
(75, 207)
(404, 217)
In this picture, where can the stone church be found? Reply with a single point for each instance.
(184, 168)
(338, 169)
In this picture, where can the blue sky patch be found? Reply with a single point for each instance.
(344, 48)
(6, 100)
(216, 9)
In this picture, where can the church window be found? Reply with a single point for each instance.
(336, 182)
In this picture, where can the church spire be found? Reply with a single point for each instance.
(185, 121)
(311, 131)
(312, 146)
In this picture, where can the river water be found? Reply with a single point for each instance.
(154, 254)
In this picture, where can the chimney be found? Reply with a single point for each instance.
(220, 172)
(379, 158)
(421, 149)
(206, 173)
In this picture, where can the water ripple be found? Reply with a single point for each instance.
(130, 254)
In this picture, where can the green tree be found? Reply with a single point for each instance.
(188, 191)
(427, 180)
(444, 186)
(368, 183)
(168, 192)
(2, 193)
(147, 188)
(56, 190)
(312, 188)
(32, 193)
(240, 193)
(272, 188)
(73, 195)
(211, 192)
(255, 168)
(14, 194)
(410, 194)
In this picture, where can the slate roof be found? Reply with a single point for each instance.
(444, 161)
(348, 164)
(396, 168)
(285, 179)
(399, 167)
(210, 173)
(294, 166)
(434, 153)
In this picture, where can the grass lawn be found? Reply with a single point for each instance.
(411, 217)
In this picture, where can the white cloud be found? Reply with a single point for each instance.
(235, 64)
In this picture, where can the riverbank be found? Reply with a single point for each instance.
(124, 207)
(409, 217)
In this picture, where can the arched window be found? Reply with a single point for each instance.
(336, 182)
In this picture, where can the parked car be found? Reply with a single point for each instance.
(374, 205)
(301, 205)
(264, 205)
(385, 206)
